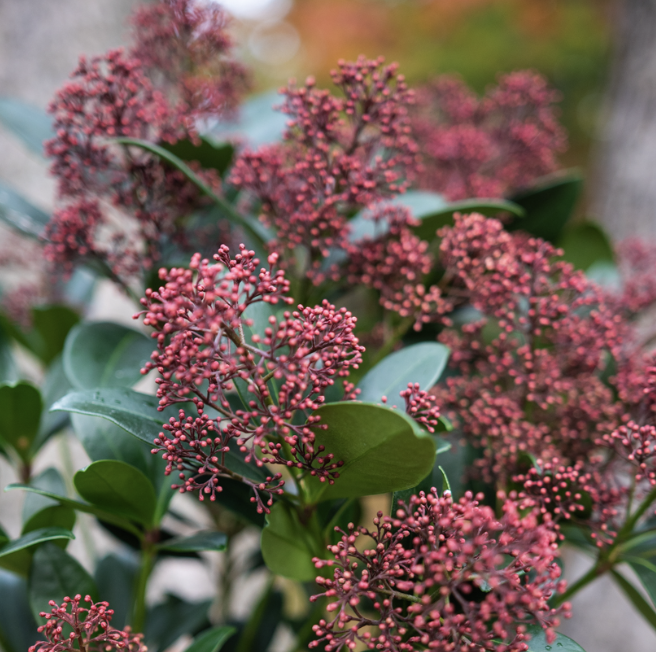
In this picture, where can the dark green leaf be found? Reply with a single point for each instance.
(48, 480)
(636, 598)
(16, 555)
(549, 205)
(261, 627)
(8, 368)
(55, 516)
(207, 540)
(382, 450)
(211, 640)
(105, 354)
(168, 621)
(20, 415)
(52, 324)
(287, 546)
(17, 625)
(210, 155)
(80, 507)
(538, 642)
(30, 123)
(436, 478)
(54, 387)
(118, 488)
(443, 216)
(420, 363)
(236, 496)
(55, 575)
(115, 578)
(646, 572)
(584, 244)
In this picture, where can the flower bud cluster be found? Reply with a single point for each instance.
(491, 146)
(72, 627)
(441, 575)
(256, 385)
(340, 154)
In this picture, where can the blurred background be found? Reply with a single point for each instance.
(600, 55)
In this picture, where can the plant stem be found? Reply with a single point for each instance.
(146, 567)
(597, 570)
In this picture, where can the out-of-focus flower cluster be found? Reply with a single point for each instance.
(118, 203)
(73, 627)
(252, 383)
(441, 575)
(340, 154)
(489, 146)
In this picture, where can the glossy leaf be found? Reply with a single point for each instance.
(383, 450)
(138, 414)
(208, 154)
(549, 205)
(115, 577)
(205, 540)
(646, 572)
(118, 488)
(59, 516)
(53, 576)
(16, 555)
(50, 480)
(20, 416)
(29, 123)
(79, 506)
(55, 386)
(585, 244)
(421, 363)
(105, 354)
(287, 545)
(538, 642)
(20, 214)
(436, 478)
(211, 640)
(51, 325)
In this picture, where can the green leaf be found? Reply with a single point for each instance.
(258, 122)
(421, 363)
(287, 546)
(168, 621)
(248, 225)
(8, 368)
(48, 480)
(118, 488)
(17, 625)
(138, 414)
(636, 598)
(646, 572)
(16, 555)
(105, 354)
(80, 507)
(59, 516)
(382, 450)
(51, 326)
(436, 478)
(538, 642)
(54, 387)
(443, 216)
(205, 540)
(548, 205)
(115, 577)
(30, 123)
(584, 244)
(211, 640)
(20, 215)
(55, 575)
(20, 416)
(210, 155)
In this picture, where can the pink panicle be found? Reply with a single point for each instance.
(71, 627)
(442, 575)
(207, 353)
(487, 147)
(340, 154)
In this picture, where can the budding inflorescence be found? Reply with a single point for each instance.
(441, 575)
(256, 384)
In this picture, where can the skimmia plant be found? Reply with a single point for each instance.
(367, 291)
